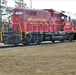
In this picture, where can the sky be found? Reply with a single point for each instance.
(60, 5)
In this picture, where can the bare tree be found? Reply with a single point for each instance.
(3, 4)
(4, 10)
(20, 3)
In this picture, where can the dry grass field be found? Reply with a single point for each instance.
(49, 59)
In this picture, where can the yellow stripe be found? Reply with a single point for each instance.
(27, 32)
(49, 32)
(40, 32)
(55, 32)
(68, 32)
(60, 32)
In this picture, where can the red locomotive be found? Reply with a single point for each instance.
(34, 26)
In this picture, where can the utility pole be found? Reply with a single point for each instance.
(31, 4)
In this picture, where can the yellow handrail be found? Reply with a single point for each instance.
(20, 30)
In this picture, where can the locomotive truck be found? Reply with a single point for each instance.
(34, 26)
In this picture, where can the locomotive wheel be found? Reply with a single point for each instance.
(62, 40)
(17, 40)
(70, 38)
(53, 41)
(38, 40)
(27, 41)
(74, 36)
(15, 44)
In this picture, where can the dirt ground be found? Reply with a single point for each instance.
(49, 59)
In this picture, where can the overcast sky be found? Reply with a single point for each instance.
(66, 5)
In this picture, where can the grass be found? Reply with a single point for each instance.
(49, 59)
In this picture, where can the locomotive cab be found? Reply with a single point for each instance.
(12, 36)
(34, 26)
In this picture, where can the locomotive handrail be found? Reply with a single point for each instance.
(20, 30)
(19, 26)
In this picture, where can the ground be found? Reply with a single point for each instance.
(47, 59)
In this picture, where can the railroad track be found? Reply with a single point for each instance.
(6, 47)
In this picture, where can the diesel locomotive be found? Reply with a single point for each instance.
(35, 26)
